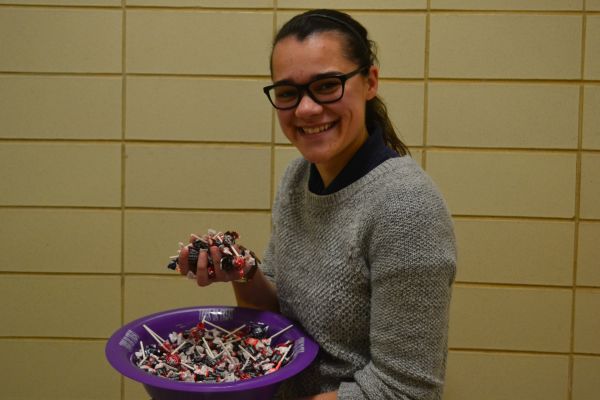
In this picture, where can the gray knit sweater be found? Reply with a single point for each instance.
(367, 272)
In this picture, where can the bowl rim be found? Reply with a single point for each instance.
(115, 354)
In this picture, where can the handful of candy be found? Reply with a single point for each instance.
(233, 257)
(205, 355)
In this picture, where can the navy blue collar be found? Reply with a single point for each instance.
(372, 153)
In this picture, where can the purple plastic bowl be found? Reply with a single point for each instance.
(125, 341)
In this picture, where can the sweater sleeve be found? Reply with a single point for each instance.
(412, 263)
(267, 266)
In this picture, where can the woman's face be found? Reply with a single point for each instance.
(326, 134)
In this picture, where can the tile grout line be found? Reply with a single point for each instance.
(512, 285)
(576, 222)
(123, 169)
(262, 211)
(273, 143)
(397, 79)
(480, 350)
(130, 7)
(265, 144)
(458, 282)
(297, 9)
(8, 338)
(425, 139)
(166, 275)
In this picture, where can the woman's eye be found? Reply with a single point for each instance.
(326, 86)
(286, 93)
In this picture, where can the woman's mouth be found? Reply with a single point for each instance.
(312, 130)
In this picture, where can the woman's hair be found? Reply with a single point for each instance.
(359, 48)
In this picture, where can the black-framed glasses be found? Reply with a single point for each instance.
(323, 90)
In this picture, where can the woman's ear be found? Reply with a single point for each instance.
(372, 82)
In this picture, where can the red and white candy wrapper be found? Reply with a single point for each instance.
(233, 258)
(208, 353)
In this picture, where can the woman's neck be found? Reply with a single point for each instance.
(330, 169)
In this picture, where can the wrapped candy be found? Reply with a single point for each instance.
(211, 354)
(244, 261)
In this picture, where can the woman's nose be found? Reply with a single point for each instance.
(307, 106)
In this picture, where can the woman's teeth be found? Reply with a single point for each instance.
(316, 129)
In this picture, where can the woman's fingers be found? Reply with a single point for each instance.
(215, 254)
(208, 264)
(202, 269)
(183, 261)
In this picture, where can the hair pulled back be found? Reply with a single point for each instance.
(359, 49)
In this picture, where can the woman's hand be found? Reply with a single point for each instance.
(206, 272)
(257, 293)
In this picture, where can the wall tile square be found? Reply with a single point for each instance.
(405, 102)
(503, 115)
(83, 362)
(203, 3)
(496, 376)
(515, 251)
(152, 236)
(44, 107)
(279, 136)
(60, 240)
(134, 390)
(169, 293)
(79, 3)
(190, 176)
(546, 5)
(510, 318)
(60, 306)
(586, 371)
(592, 47)
(592, 5)
(587, 323)
(590, 186)
(354, 4)
(63, 174)
(588, 261)
(505, 184)
(591, 118)
(60, 40)
(198, 109)
(400, 42)
(505, 46)
(194, 42)
(417, 155)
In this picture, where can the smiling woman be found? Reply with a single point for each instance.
(362, 251)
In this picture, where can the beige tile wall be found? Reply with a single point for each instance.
(126, 125)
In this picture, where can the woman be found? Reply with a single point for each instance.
(362, 251)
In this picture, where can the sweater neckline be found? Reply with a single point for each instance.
(342, 195)
(373, 152)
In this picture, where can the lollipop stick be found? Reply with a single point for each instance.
(280, 332)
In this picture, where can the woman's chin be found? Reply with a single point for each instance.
(314, 157)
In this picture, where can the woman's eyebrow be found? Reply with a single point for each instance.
(312, 78)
